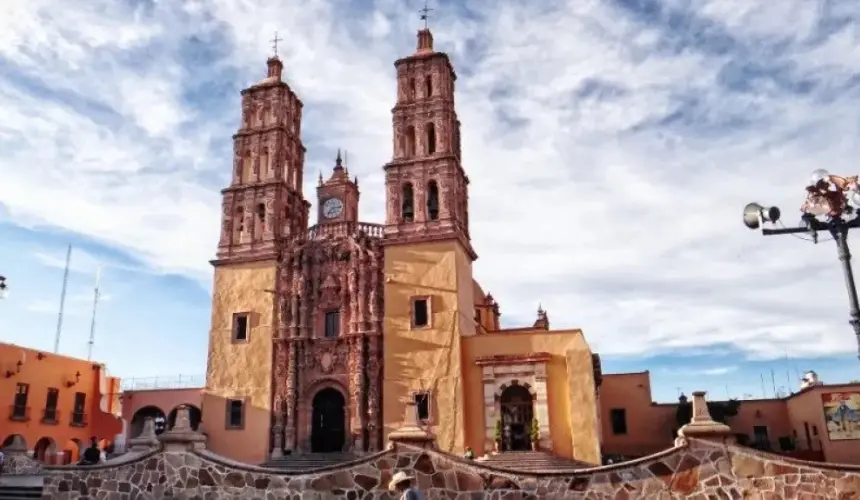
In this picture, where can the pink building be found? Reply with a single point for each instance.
(159, 398)
(633, 425)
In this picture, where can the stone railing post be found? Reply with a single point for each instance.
(702, 426)
(17, 462)
(410, 432)
(147, 440)
(182, 437)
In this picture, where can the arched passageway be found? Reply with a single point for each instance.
(194, 415)
(14, 440)
(45, 450)
(154, 412)
(517, 409)
(328, 421)
(72, 451)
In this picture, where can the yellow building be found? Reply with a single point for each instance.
(321, 336)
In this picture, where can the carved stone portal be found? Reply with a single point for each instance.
(337, 389)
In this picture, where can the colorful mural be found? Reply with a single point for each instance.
(842, 415)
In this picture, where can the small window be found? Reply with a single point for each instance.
(618, 419)
(78, 410)
(332, 324)
(422, 406)
(51, 405)
(22, 391)
(814, 430)
(428, 86)
(411, 89)
(240, 327)
(19, 403)
(421, 312)
(235, 414)
(760, 436)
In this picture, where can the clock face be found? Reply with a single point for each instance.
(332, 208)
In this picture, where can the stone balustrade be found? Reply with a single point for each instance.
(340, 229)
(702, 465)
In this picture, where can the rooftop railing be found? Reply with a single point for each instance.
(166, 382)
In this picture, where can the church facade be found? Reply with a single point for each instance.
(320, 335)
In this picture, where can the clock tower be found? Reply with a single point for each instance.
(338, 196)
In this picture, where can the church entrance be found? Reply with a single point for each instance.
(328, 419)
(517, 414)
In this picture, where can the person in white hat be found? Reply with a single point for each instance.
(402, 483)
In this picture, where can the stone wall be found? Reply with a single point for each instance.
(698, 470)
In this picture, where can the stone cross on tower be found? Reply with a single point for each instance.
(275, 44)
(425, 14)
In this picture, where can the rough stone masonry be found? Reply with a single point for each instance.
(703, 465)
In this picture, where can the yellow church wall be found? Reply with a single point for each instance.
(240, 370)
(465, 295)
(569, 386)
(428, 358)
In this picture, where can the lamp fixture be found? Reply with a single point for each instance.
(831, 205)
(77, 379)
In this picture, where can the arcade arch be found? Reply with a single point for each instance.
(194, 415)
(154, 412)
(14, 440)
(45, 450)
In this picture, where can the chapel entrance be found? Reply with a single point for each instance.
(517, 414)
(328, 419)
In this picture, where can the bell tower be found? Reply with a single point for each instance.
(429, 290)
(262, 209)
(338, 196)
(264, 201)
(427, 188)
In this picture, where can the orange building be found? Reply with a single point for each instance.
(160, 403)
(56, 403)
(805, 424)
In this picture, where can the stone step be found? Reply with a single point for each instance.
(531, 461)
(16, 492)
(307, 461)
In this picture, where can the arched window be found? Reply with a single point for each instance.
(428, 86)
(264, 163)
(412, 90)
(409, 142)
(261, 219)
(239, 224)
(408, 203)
(433, 200)
(430, 129)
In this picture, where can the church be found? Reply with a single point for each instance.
(323, 335)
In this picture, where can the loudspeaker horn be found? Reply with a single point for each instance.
(755, 214)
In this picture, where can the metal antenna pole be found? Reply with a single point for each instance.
(62, 300)
(93, 322)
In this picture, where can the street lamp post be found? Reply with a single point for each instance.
(4, 290)
(831, 205)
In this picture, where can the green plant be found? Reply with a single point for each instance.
(498, 433)
(535, 430)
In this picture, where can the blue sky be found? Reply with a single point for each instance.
(611, 147)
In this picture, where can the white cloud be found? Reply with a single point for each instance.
(720, 370)
(628, 231)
